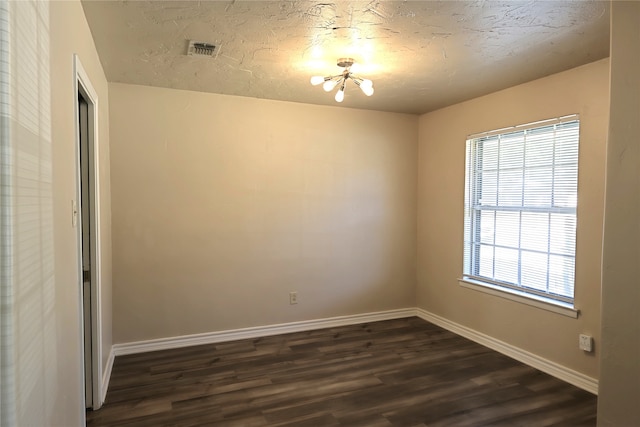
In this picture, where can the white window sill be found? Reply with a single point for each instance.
(565, 309)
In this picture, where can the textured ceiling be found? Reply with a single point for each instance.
(421, 55)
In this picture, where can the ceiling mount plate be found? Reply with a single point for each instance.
(345, 62)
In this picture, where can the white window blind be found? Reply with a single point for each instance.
(28, 322)
(520, 208)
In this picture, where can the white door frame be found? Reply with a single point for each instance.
(83, 85)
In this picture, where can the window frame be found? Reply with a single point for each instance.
(471, 264)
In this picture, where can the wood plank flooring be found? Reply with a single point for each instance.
(404, 372)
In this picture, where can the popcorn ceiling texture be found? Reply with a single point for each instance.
(421, 55)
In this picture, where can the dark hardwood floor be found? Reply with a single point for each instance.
(404, 372)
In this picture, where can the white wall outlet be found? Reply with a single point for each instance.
(586, 342)
(293, 298)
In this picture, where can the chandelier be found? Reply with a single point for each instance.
(340, 80)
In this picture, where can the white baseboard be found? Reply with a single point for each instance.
(256, 332)
(552, 368)
(106, 375)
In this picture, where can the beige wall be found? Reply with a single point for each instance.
(70, 34)
(223, 205)
(618, 404)
(583, 90)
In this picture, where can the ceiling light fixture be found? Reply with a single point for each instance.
(340, 80)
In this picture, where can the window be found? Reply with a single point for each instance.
(520, 209)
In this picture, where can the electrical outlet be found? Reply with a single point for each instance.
(293, 298)
(586, 343)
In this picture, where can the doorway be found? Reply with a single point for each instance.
(86, 220)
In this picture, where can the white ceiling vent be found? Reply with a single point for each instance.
(200, 48)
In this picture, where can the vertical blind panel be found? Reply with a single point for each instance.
(7, 327)
(520, 200)
(27, 287)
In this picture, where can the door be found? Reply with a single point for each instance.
(85, 212)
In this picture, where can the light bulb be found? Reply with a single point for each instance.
(368, 90)
(316, 80)
(340, 94)
(366, 83)
(329, 85)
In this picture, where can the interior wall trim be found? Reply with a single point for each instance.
(256, 332)
(552, 368)
(106, 375)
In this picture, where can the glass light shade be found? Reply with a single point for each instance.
(329, 85)
(340, 95)
(316, 80)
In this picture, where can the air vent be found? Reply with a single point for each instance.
(200, 48)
